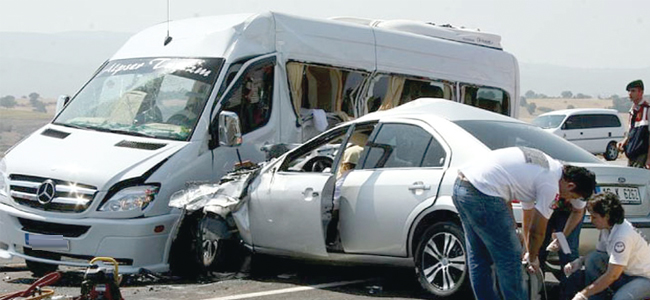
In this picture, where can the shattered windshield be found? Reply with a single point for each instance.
(153, 97)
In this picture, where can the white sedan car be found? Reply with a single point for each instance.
(395, 206)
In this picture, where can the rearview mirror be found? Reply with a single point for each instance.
(61, 103)
(229, 129)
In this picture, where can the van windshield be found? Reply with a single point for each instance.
(549, 121)
(153, 97)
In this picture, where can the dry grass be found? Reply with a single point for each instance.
(18, 122)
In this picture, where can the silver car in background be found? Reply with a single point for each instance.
(395, 206)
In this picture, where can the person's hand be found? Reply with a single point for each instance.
(533, 265)
(579, 296)
(647, 163)
(554, 246)
(620, 146)
(524, 258)
(572, 267)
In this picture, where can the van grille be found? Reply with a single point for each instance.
(52, 228)
(69, 197)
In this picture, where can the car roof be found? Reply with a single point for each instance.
(574, 111)
(425, 108)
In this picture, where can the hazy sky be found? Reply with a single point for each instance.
(588, 34)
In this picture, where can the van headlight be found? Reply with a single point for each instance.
(4, 178)
(131, 198)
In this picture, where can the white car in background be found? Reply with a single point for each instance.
(596, 130)
(394, 207)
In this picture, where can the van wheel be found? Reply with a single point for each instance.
(611, 152)
(441, 260)
(39, 269)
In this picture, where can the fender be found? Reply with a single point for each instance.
(443, 209)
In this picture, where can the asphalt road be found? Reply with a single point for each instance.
(269, 278)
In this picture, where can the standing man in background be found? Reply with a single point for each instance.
(636, 144)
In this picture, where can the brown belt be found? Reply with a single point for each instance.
(462, 177)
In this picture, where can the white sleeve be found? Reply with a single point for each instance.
(527, 205)
(619, 251)
(546, 194)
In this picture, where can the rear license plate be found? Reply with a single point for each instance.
(627, 195)
(46, 242)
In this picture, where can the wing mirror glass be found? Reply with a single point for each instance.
(229, 129)
(61, 102)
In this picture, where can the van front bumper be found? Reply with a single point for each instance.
(132, 242)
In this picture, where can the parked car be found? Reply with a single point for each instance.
(594, 129)
(395, 206)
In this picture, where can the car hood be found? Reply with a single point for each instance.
(89, 157)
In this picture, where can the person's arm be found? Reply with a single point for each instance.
(613, 272)
(525, 227)
(577, 214)
(536, 238)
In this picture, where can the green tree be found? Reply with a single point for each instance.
(566, 94)
(8, 101)
(530, 94)
(531, 107)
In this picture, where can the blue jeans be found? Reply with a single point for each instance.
(491, 242)
(624, 288)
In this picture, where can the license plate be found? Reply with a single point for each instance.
(627, 195)
(46, 242)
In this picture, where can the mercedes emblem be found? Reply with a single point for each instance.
(46, 191)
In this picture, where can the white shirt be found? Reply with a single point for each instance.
(520, 173)
(626, 247)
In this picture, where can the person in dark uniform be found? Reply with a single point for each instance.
(636, 144)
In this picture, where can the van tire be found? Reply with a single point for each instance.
(440, 234)
(40, 269)
(611, 151)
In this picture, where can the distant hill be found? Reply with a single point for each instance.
(60, 63)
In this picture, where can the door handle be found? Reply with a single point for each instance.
(419, 186)
(310, 194)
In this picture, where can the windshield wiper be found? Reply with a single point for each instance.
(135, 133)
(71, 125)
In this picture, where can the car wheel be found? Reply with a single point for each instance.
(39, 269)
(611, 152)
(440, 260)
(210, 245)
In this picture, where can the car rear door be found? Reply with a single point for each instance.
(398, 176)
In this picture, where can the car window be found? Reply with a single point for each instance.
(402, 146)
(548, 121)
(496, 135)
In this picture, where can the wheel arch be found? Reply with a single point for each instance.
(442, 211)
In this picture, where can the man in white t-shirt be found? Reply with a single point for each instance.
(483, 193)
(621, 262)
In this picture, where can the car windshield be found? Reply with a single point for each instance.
(548, 121)
(496, 135)
(153, 97)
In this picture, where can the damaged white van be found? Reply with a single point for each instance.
(96, 181)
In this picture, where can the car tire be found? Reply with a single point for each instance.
(441, 260)
(40, 269)
(211, 249)
(611, 151)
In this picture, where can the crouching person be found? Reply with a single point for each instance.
(620, 265)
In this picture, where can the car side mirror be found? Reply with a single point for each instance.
(229, 129)
(61, 102)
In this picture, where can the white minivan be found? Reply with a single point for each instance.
(596, 130)
(98, 178)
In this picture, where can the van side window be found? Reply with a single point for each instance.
(592, 121)
(252, 96)
(403, 146)
(388, 91)
(323, 96)
(488, 98)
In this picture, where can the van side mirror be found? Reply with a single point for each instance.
(61, 102)
(229, 129)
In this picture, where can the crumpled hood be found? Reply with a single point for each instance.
(88, 157)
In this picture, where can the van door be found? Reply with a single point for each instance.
(576, 129)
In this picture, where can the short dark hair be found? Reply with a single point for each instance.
(584, 180)
(607, 204)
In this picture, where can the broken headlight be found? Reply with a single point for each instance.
(131, 198)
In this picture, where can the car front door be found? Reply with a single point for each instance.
(401, 169)
(288, 200)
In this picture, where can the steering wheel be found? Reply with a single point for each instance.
(318, 164)
(179, 119)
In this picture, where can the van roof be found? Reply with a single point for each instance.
(574, 111)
